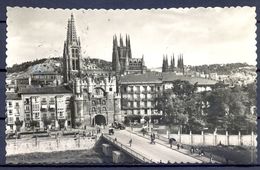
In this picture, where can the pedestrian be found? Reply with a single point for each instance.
(130, 142)
(192, 150)
(178, 146)
(36, 140)
(154, 135)
(115, 139)
(170, 143)
(210, 158)
(201, 153)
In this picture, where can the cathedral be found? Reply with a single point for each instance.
(166, 67)
(122, 61)
(95, 99)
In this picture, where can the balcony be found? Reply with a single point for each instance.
(44, 109)
(137, 98)
(44, 103)
(51, 109)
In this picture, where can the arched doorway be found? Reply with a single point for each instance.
(99, 120)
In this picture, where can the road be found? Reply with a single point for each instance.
(154, 152)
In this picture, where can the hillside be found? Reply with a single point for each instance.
(55, 65)
(222, 69)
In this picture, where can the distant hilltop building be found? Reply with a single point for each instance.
(122, 61)
(72, 60)
(166, 67)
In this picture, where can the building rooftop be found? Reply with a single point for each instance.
(170, 76)
(149, 77)
(45, 73)
(46, 90)
(12, 96)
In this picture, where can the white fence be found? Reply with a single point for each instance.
(214, 139)
(22, 146)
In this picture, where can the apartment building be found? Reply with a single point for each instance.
(49, 107)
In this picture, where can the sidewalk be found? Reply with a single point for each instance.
(174, 147)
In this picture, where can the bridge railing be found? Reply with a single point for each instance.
(128, 150)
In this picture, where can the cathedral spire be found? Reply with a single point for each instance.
(166, 63)
(71, 30)
(121, 41)
(72, 59)
(129, 47)
(163, 64)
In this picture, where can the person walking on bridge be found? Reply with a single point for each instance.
(130, 142)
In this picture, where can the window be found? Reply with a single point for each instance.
(152, 88)
(145, 88)
(10, 119)
(27, 108)
(27, 101)
(35, 107)
(137, 88)
(10, 112)
(10, 104)
(16, 104)
(77, 64)
(145, 104)
(61, 114)
(27, 116)
(110, 89)
(52, 115)
(73, 65)
(37, 114)
(145, 111)
(138, 104)
(44, 115)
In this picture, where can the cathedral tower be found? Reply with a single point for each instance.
(121, 54)
(71, 53)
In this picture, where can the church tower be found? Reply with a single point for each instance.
(71, 53)
(121, 55)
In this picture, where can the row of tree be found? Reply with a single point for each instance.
(218, 110)
(219, 68)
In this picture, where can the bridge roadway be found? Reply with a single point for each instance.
(155, 152)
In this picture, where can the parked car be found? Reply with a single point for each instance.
(111, 131)
(118, 125)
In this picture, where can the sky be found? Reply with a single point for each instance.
(202, 35)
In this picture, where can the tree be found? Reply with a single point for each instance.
(228, 109)
(46, 122)
(34, 124)
(18, 124)
(181, 106)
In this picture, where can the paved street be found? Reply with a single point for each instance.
(155, 152)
